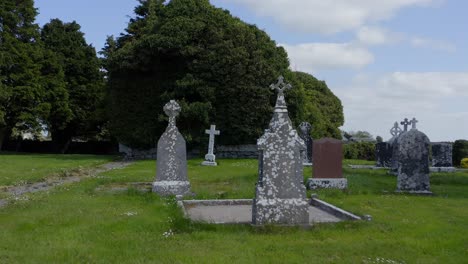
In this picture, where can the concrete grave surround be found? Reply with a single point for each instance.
(304, 132)
(442, 155)
(280, 196)
(210, 158)
(171, 169)
(328, 162)
(413, 162)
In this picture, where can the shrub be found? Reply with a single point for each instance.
(359, 150)
(460, 151)
(464, 163)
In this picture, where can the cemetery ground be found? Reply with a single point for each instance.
(100, 220)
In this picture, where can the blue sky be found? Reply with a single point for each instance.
(386, 60)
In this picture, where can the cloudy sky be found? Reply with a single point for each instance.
(386, 60)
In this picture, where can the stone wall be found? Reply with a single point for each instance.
(237, 152)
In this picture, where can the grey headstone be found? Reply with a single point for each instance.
(442, 155)
(171, 168)
(396, 131)
(383, 154)
(280, 196)
(413, 162)
(304, 133)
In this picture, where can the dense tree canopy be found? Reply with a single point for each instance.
(21, 92)
(215, 65)
(75, 102)
(219, 69)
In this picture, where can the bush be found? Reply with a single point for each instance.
(359, 150)
(460, 151)
(464, 163)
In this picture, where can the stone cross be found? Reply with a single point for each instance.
(413, 123)
(172, 110)
(405, 124)
(395, 130)
(210, 157)
(280, 87)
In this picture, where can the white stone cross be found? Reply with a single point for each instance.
(405, 124)
(413, 123)
(210, 157)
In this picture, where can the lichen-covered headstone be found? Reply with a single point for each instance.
(328, 162)
(442, 155)
(210, 157)
(413, 161)
(280, 196)
(171, 168)
(304, 133)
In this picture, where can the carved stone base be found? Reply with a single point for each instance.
(165, 188)
(209, 163)
(327, 183)
(280, 211)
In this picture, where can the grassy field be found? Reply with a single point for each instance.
(26, 168)
(88, 222)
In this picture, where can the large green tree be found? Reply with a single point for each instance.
(217, 66)
(75, 109)
(318, 106)
(21, 91)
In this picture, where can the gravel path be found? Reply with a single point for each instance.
(48, 184)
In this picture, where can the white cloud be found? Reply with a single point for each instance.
(328, 16)
(434, 98)
(419, 42)
(311, 57)
(377, 36)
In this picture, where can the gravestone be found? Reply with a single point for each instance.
(396, 131)
(383, 154)
(304, 133)
(210, 158)
(280, 196)
(171, 168)
(413, 161)
(327, 171)
(442, 155)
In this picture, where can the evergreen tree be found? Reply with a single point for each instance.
(77, 113)
(21, 92)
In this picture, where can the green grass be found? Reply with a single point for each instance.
(85, 223)
(26, 168)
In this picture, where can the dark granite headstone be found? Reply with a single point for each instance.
(327, 159)
(171, 164)
(304, 133)
(383, 154)
(280, 196)
(442, 155)
(413, 161)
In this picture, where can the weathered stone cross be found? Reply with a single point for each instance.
(395, 130)
(172, 110)
(212, 132)
(413, 123)
(280, 86)
(405, 124)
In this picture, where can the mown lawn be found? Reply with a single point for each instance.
(88, 222)
(26, 168)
